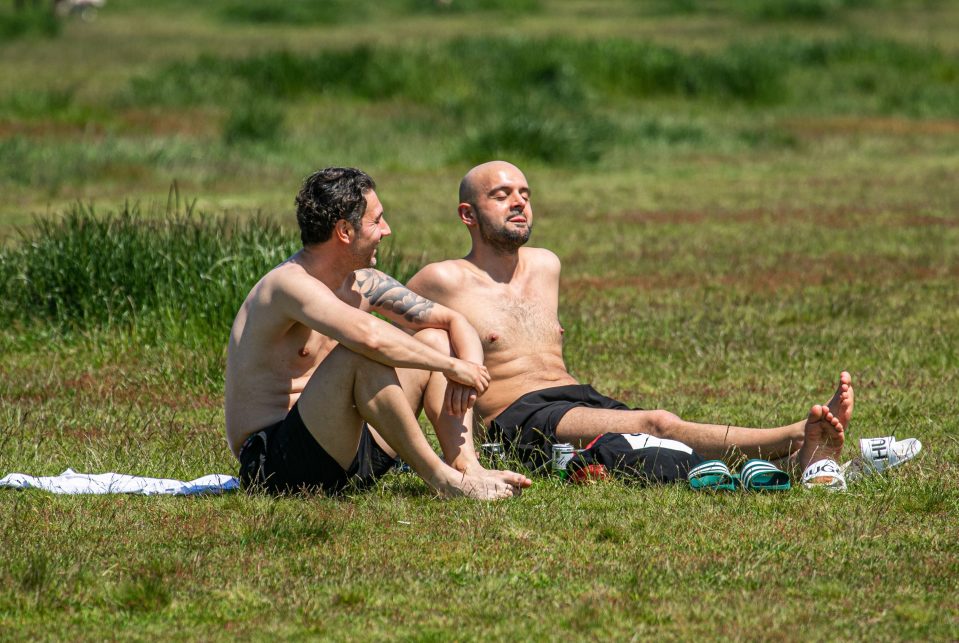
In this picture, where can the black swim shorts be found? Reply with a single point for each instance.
(286, 458)
(528, 426)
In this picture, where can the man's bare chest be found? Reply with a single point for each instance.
(302, 349)
(513, 320)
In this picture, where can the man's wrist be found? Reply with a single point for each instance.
(450, 366)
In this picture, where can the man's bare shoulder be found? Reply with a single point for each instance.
(541, 258)
(439, 277)
(290, 276)
(288, 287)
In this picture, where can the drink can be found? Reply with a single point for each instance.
(493, 452)
(562, 454)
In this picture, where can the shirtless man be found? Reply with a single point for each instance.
(310, 371)
(510, 294)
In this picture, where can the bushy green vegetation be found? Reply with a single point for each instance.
(293, 12)
(801, 9)
(253, 121)
(560, 100)
(480, 72)
(312, 12)
(180, 276)
(33, 19)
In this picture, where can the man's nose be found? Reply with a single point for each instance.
(518, 201)
(385, 228)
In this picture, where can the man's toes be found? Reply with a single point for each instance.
(519, 481)
(816, 413)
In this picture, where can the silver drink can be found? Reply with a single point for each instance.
(562, 454)
(493, 452)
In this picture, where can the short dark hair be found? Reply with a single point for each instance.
(326, 197)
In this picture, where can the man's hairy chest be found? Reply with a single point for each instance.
(512, 321)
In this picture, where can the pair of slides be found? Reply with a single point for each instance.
(876, 455)
(756, 475)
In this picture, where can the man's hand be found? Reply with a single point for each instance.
(458, 399)
(469, 374)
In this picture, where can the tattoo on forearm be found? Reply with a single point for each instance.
(382, 291)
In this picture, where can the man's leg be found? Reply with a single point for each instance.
(348, 389)
(427, 390)
(580, 425)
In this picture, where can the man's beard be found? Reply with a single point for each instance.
(504, 239)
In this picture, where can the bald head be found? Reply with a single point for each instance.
(482, 177)
(494, 205)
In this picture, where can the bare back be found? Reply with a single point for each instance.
(270, 356)
(517, 321)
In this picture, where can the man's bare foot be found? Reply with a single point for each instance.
(517, 480)
(842, 401)
(823, 436)
(473, 486)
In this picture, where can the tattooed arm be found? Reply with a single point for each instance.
(305, 300)
(383, 294)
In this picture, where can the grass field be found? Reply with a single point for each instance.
(747, 197)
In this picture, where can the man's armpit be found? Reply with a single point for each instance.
(385, 292)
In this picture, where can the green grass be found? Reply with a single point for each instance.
(747, 197)
(32, 21)
(179, 276)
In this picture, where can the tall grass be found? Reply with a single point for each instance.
(561, 100)
(179, 275)
(487, 72)
(50, 103)
(812, 10)
(253, 121)
(539, 99)
(30, 20)
(463, 72)
(294, 12)
(50, 163)
(328, 12)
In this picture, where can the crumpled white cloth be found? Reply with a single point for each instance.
(71, 482)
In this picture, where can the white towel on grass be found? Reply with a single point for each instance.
(71, 482)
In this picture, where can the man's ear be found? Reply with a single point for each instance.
(343, 231)
(466, 214)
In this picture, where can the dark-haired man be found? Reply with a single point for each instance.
(510, 294)
(310, 371)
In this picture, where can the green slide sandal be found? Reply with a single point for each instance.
(713, 475)
(762, 475)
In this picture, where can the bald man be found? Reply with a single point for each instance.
(510, 294)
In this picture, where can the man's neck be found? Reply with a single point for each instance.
(323, 265)
(500, 265)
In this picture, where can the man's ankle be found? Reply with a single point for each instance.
(466, 465)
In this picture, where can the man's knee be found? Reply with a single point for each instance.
(662, 424)
(343, 358)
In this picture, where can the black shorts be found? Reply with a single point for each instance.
(527, 427)
(286, 458)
